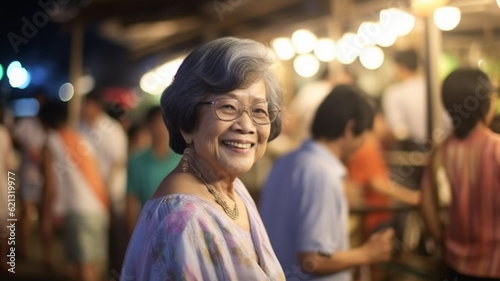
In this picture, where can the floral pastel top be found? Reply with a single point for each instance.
(184, 237)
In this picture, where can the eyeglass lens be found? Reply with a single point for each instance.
(261, 112)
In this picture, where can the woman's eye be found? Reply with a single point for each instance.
(228, 107)
(260, 111)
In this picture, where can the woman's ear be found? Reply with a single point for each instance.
(187, 136)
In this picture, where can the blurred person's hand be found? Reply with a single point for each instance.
(416, 197)
(379, 246)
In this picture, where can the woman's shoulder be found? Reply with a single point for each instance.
(165, 224)
(177, 206)
(177, 183)
(174, 204)
(177, 195)
(174, 215)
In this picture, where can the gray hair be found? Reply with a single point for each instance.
(217, 67)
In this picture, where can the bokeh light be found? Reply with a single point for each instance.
(19, 77)
(283, 47)
(166, 71)
(27, 80)
(426, 7)
(39, 75)
(156, 81)
(85, 84)
(12, 66)
(25, 107)
(150, 84)
(66, 92)
(387, 37)
(325, 49)
(372, 57)
(368, 32)
(447, 18)
(481, 64)
(306, 65)
(402, 21)
(348, 48)
(303, 41)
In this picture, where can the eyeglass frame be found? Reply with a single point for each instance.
(244, 109)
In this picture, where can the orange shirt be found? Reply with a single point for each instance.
(85, 162)
(364, 165)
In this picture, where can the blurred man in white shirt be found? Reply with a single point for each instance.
(110, 141)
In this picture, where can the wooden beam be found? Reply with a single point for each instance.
(166, 43)
(100, 10)
(239, 15)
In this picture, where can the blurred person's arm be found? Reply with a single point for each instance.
(368, 168)
(133, 203)
(386, 186)
(428, 204)
(116, 181)
(116, 185)
(377, 249)
(320, 233)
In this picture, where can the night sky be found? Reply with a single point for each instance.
(43, 48)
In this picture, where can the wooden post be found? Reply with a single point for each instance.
(338, 10)
(432, 47)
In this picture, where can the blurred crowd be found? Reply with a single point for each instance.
(86, 185)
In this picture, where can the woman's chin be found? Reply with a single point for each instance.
(237, 170)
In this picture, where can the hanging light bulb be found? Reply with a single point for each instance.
(325, 49)
(306, 65)
(368, 32)
(303, 41)
(283, 47)
(403, 21)
(387, 37)
(348, 48)
(447, 18)
(426, 7)
(372, 57)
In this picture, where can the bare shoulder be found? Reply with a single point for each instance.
(178, 183)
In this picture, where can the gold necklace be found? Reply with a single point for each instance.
(234, 213)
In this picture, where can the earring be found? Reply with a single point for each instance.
(185, 154)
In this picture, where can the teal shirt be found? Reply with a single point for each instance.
(146, 171)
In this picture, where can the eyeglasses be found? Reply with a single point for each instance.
(228, 109)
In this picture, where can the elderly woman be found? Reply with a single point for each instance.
(221, 109)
